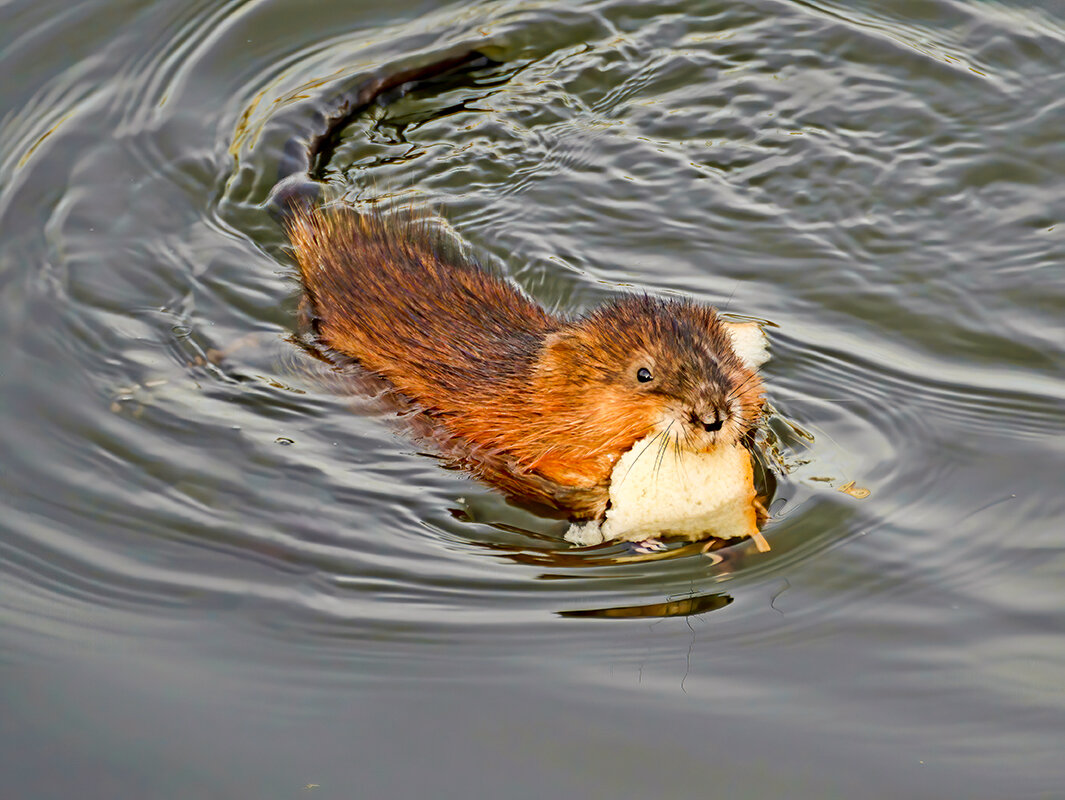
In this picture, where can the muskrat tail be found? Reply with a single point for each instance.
(306, 157)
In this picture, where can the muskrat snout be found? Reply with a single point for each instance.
(709, 421)
(710, 418)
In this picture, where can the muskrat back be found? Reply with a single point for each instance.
(395, 292)
(543, 406)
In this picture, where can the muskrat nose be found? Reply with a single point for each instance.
(709, 421)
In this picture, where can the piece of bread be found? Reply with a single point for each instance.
(749, 342)
(677, 493)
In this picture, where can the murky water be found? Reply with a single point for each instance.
(217, 580)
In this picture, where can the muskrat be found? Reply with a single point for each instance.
(539, 405)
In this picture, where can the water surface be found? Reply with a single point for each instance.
(218, 579)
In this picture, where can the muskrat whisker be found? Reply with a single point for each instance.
(732, 295)
(662, 449)
(691, 440)
(742, 386)
(677, 459)
(643, 450)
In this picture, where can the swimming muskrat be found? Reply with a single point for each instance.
(539, 405)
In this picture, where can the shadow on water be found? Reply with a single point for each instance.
(686, 607)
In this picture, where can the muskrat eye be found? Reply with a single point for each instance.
(643, 375)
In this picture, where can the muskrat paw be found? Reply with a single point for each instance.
(646, 546)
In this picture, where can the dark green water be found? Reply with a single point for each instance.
(217, 581)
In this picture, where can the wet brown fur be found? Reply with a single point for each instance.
(541, 406)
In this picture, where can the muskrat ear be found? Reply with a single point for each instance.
(749, 342)
(562, 352)
(560, 343)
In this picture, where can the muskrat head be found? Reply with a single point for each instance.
(666, 366)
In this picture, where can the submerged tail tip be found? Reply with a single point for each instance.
(296, 194)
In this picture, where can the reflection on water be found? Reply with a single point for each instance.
(240, 587)
(673, 608)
